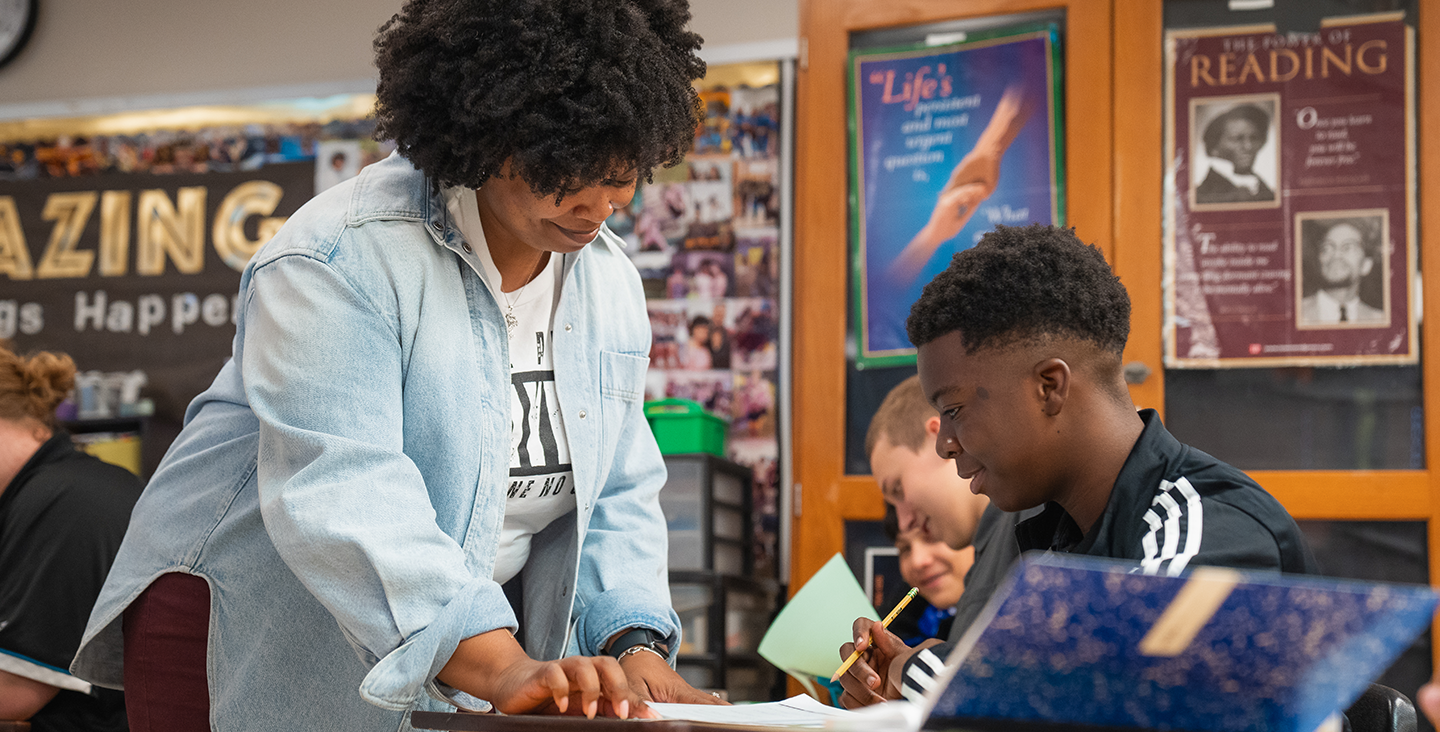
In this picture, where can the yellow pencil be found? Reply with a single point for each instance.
(884, 624)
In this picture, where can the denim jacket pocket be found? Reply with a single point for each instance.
(622, 375)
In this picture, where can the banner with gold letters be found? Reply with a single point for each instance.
(128, 272)
(123, 236)
(1290, 205)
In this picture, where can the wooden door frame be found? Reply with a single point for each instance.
(823, 496)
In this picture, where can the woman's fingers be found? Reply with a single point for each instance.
(594, 685)
(585, 680)
(587, 685)
(616, 687)
(556, 680)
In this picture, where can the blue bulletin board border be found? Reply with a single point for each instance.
(861, 292)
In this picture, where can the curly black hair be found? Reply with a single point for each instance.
(1021, 283)
(571, 92)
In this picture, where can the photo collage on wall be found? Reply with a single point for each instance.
(339, 148)
(704, 235)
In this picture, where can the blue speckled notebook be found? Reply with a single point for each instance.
(1077, 641)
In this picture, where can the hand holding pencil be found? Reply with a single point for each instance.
(855, 654)
(874, 677)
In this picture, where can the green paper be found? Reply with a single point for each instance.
(806, 637)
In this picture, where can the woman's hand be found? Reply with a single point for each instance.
(574, 685)
(653, 679)
(493, 667)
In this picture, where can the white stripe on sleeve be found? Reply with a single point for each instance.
(1151, 563)
(923, 680)
(1173, 525)
(912, 693)
(1172, 542)
(937, 666)
(1194, 527)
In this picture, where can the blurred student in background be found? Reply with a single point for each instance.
(62, 516)
(937, 570)
(931, 501)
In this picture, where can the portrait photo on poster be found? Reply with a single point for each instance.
(702, 274)
(1342, 259)
(754, 404)
(1235, 146)
(712, 204)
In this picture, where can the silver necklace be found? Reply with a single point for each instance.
(510, 320)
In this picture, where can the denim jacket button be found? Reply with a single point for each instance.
(567, 327)
(466, 247)
(582, 414)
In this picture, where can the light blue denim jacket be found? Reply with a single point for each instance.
(341, 485)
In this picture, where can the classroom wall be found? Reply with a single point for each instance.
(100, 51)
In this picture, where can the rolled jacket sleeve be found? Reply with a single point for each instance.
(348, 511)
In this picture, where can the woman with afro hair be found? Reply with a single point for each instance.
(424, 480)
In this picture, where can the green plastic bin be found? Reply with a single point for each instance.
(682, 426)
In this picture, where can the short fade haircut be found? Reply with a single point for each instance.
(1023, 284)
(901, 418)
(1215, 129)
(570, 92)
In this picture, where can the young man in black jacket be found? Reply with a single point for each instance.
(1020, 343)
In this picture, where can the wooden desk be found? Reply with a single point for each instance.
(8, 726)
(468, 722)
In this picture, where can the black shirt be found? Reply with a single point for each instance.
(995, 551)
(61, 521)
(1172, 507)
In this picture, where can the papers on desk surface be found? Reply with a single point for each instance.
(798, 711)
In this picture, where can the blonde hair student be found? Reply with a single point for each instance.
(62, 516)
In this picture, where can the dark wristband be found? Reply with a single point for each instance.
(643, 637)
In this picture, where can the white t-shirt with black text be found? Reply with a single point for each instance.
(541, 486)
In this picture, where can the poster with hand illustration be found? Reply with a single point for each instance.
(946, 142)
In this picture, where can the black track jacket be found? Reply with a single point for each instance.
(1172, 508)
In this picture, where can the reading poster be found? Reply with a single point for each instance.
(1290, 208)
(946, 141)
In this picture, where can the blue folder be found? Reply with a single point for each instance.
(1073, 642)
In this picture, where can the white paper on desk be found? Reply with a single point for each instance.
(797, 711)
(891, 716)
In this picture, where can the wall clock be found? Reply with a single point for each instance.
(17, 19)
